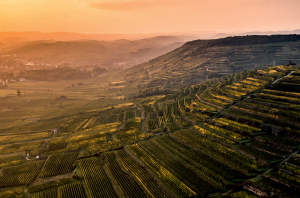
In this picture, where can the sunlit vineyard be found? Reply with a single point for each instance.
(234, 136)
(127, 185)
(163, 173)
(11, 160)
(20, 174)
(47, 193)
(58, 164)
(142, 176)
(98, 184)
(71, 190)
(15, 192)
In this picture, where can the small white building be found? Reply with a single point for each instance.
(29, 64)
(37, 156)
(22, 80)
(55, 131)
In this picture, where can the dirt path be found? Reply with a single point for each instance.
(283, 77)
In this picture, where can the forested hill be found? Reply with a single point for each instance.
(202, 59)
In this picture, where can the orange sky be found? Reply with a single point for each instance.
(148, 16)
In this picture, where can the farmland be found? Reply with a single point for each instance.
(234, 136)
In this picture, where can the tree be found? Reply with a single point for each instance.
(19, 92)
(99, 70)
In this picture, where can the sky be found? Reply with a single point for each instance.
(148, 16)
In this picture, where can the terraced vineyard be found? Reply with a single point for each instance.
(143, 177)
(71, 190)
(20, 174)
(58, 164)
(95, 178)
(178, 186)
(46, 193)
(236, 136)
(127, 185)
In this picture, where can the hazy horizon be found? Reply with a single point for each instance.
(157, 33)
(149, 16)
(27, 36)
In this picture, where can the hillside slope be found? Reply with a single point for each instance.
(197, 59)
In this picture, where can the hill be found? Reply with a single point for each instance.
(70, 36)
(201, 59)
(88, 52)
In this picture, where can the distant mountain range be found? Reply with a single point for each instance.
(17, 37)
(117, 49)
(87, 52)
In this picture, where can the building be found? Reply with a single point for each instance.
(22, 80)
(30, 64)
